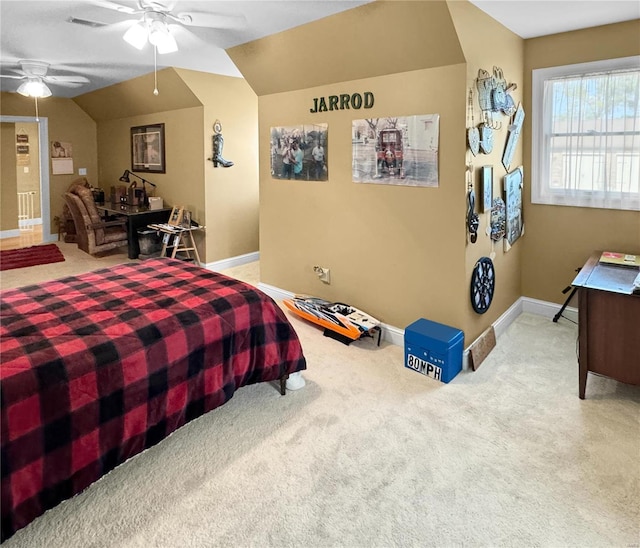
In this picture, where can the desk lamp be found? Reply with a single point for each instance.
(125, 179)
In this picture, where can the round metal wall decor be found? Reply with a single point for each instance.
(483, 282)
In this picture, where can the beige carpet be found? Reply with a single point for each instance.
(370, 453)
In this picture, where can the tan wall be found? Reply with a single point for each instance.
(231, 194)
(560, 239)
(383, 37)
(28, 176)
(393, 251)
(225, 200)
(398, 253)
(8, 181)
(182, 184)
(504, 49)
(69, 123)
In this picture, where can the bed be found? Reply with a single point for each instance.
(96, 368)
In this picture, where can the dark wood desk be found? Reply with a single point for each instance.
(609, 323)
(137, 217)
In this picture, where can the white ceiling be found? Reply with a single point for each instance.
(39, 29)
(533, 18)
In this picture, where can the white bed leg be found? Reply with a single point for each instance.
(295, 381)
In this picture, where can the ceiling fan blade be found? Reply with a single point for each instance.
(117, 7)
(66, 79)
(74, 84)
(212, 20)
(12, 76)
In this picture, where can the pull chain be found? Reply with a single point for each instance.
(37, 117)
(155, 70)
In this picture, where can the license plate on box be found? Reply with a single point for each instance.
(424, 367)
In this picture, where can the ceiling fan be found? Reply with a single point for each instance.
(156, 16)
(34, 74)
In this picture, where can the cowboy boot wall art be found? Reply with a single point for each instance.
(218, 143)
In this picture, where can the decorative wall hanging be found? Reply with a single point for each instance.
(218, 143)
(501, 100)
(483, 282)
(513, 183)
(486, 138)
(396, 151)
(486, 178)
(61, 158)
(147, 148)
(300, 152)
(344, 101)
(498, 219)
(484, 83)
(493, 95)
(512, 137)
(498, 93)
(473, 134)
(473, 222)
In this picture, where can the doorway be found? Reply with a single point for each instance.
(42, 159)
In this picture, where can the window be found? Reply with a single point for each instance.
(586, 135)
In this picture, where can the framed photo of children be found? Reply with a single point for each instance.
(300, 152)
(147, 148)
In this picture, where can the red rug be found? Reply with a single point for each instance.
(30, 256)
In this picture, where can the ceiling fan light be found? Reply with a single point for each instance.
(136, 35)
(167, 44)
(34, 87)
(161, 38)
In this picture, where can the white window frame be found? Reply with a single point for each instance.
(541, 192)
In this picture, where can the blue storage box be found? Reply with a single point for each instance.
(433, 349)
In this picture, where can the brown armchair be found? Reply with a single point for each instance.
(94, 235)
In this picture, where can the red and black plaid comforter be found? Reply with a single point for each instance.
(98, 367)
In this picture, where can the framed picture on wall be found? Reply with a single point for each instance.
(147, 148)
(486, 183)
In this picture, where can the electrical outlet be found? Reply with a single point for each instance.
(324, 274)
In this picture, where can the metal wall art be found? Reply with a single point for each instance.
(513, 135)
(218, 143)
(483, 283)
(498, 219)
(513, 183)
(473, 134)
(486, 179)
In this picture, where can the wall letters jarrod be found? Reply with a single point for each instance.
(344, 101)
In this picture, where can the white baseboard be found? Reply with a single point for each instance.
(30, 222)
(390, 333)
(14, 233)
(395, 335)
(275, 293)
(507, 318)
(217, 266)
(547, 309)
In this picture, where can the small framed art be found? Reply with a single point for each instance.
(175, 219)
(486, 180)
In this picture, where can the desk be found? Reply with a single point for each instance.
(137, 217)
(609, 323)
